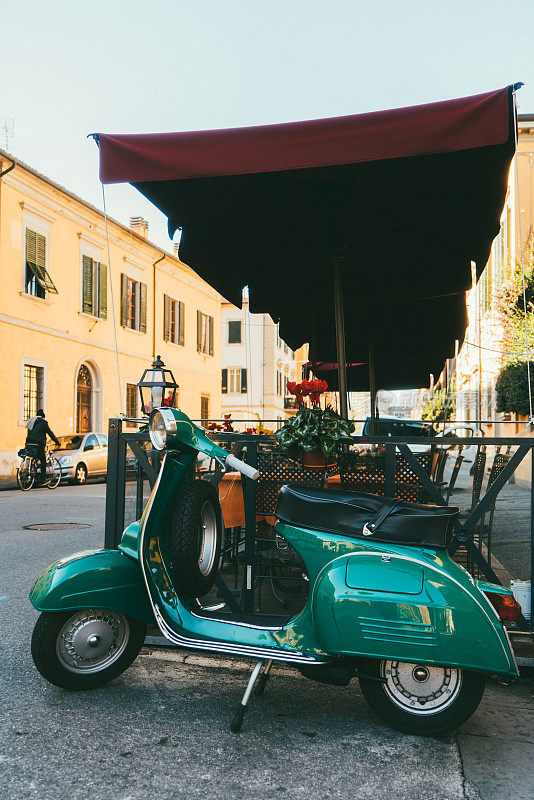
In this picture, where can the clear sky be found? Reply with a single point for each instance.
(70, 68)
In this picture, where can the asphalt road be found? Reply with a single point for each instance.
(161, 730)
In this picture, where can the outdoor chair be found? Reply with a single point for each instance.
(439, 468)
(479, 468)
(454, 473)
(499, 463)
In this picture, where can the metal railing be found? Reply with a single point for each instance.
(142, 465)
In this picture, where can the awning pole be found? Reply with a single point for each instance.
(340, 338)
(372, 386)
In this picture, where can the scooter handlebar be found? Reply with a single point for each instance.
(245, 469)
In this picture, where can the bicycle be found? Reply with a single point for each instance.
(30, 468)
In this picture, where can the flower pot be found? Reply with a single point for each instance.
(314, 459)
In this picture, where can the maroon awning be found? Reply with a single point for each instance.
(443, 127)
(407, 197)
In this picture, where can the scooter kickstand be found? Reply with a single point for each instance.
(262, 680)
(237, 721)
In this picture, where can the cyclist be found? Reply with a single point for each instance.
(38, 429)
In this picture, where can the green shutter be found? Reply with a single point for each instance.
(87, 285)
(210, 335)
(142, 315)
(124, 300)
(102, 291)
(224, 382)
(243, 381)
(166, 317)
(181, 329)
(31, 246)
(40, 255)
(199, 331)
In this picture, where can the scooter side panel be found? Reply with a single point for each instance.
(105, 579)
(448, 622)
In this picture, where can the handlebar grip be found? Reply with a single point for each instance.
(234, 463)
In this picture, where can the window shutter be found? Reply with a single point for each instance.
(124, 300)
(199, 331)
(87, 285)
(142, 301)
(102, 291)
(40, 255)
(243, 381)
(181, 315)
(225, 381)
(166, 317)
(31, 246)
(210, 335)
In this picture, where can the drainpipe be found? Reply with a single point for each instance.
(154, 305)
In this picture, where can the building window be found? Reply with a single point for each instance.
(131, 403)
(133, 304)
(234, 380)
(234, 332)
(279, 383)
(204, 407)
(204, 333)
(37, 281)
(173, 320)
(32, 390)
(94, 288)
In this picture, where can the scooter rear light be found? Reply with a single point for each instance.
(506, 606)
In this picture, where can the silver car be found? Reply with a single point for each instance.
(82, 456)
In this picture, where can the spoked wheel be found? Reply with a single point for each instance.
(85, 649)
(195, 539)
(55, 473)
(26, 474)
(422, 699)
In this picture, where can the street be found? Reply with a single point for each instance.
(161, 730)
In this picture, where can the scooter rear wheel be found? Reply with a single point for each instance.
(420, 698)
(87, 648)
(196, 539)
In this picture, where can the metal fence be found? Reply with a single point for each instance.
(387, 466)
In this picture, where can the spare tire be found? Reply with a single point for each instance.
(195, 539)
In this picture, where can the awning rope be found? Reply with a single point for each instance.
(527, 348)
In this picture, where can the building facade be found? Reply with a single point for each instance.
(256, 365)
(483, 352)
(79, 323)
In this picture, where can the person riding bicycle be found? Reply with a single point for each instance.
(38, 429)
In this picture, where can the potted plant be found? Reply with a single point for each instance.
(315, 435)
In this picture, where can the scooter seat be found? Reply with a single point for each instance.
(367, 516)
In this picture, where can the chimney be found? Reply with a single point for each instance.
(139, 225)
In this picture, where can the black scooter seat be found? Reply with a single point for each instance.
(347, 513)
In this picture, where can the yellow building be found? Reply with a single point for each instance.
(77, 328)
(483, 352)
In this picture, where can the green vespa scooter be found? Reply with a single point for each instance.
(386, 603)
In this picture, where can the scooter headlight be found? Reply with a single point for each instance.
(162, 428)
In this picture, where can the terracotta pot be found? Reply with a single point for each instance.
(314, 459)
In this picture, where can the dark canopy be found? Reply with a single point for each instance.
(407, 197)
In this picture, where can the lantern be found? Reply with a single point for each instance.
(157, 387)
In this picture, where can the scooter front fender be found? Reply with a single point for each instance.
(105, 579)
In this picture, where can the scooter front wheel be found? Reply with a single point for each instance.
(87, 648)
(420, 698)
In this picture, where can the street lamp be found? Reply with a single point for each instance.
(157, 387)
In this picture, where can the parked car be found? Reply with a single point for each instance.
(403, 427)
(82, 456)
